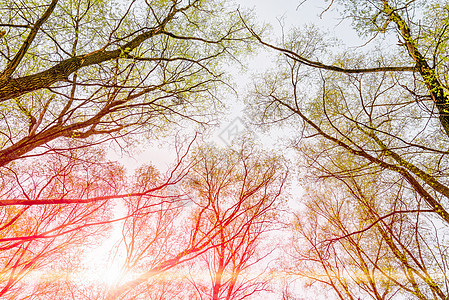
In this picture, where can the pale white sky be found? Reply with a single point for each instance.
(292, 13)
(300, 12)
(287, 13)
(268, 11)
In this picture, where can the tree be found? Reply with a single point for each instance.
(41, 237)
(235, 198)
(238, 194)
(358, 244)
(369, 148)
(81, 77)
(149, 65)
(380, 17)
(33, 236)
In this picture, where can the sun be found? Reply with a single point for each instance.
(100, 267)
(104, 264)
(112, 275)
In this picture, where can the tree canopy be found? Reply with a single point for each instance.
(371, 141)
(363, 134)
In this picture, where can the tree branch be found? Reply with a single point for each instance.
(12, 65)
(436, 206)
(14, 87)
(377, 221)
(315, 64)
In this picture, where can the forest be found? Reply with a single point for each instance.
(351, 201)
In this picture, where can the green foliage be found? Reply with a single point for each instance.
(368, 17)
(370, 150)
(99, 72)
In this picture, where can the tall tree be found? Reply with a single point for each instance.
(235, 198)
(80, 77)
(425, 46)
(239, 198)
(370, 149)
(97, 70)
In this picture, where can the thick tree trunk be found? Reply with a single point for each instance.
(436, 89)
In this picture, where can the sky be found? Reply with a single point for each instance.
(291, 13)
(288, 12)
(280, 15)
(303, 12)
